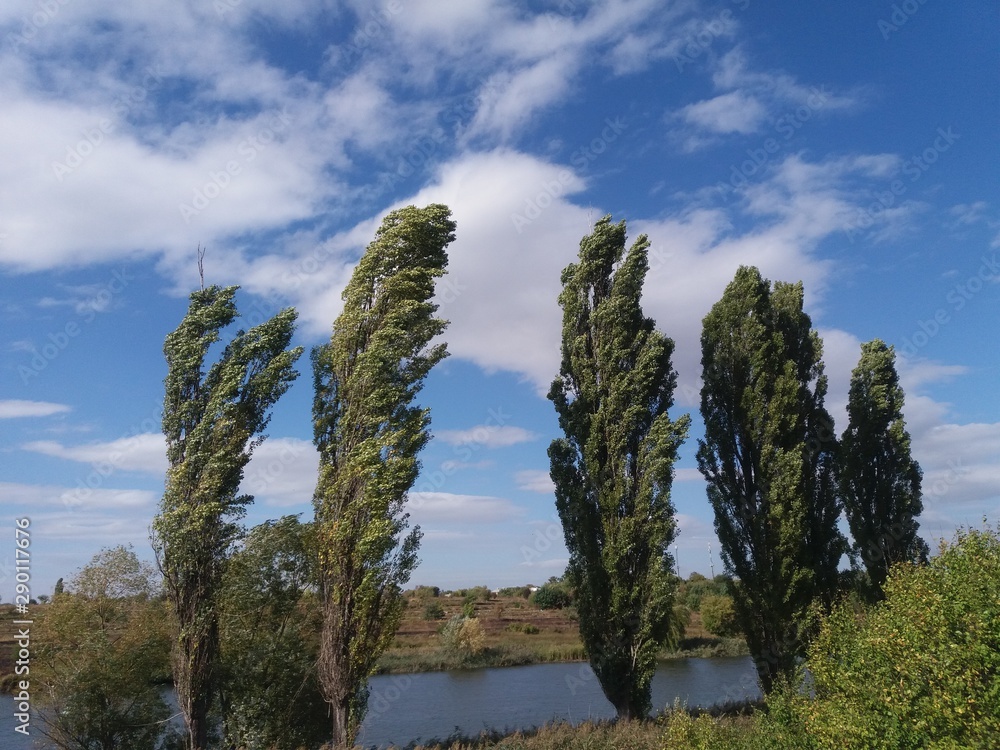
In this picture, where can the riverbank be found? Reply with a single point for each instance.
(733, 726)
(516, 633)
(437, 659)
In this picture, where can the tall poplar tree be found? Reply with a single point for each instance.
(212, 422)
(369, 433)
(769, 458)
(879, 480)
(614, 467)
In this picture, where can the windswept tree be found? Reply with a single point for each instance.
(879, 480)
(212, 421)
(369, 433)
(614, 468)
(769, 457)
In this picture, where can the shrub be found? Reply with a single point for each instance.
(718, 615)
(697, 587)
(433, 611)
(522, 627)
(515, 591)
(922, 668)
(463, 636)
(551, 596)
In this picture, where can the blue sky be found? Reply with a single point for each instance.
(852, 146)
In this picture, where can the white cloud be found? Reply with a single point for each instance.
(145, 452)
(439, 507)
(282, 472)
(17, 408)
(734, 112)
(487, 435)
(79, 500)
(688, 475)
(750, 99)
(532, 480)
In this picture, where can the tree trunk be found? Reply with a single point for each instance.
(342, 734)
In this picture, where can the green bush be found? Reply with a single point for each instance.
(691, 592)
(551, 596)
(522, 627)
(922, 668)
(718, 615)
(433, 611)
(519, 591)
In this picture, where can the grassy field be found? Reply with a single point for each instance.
(509, 624)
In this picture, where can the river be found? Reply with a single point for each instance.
(403, 708)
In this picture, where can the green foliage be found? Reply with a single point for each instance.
(100, 649)
(469, 608)
(696, 587)
(522, 627)
(523, 592)
(614, 466)
(920, 669)
(369, 434)
(718, 615)
(425, 592)
(551, 596)
(270, 692)
(879, 481)
(768, 456)
(212, 422)
(433, 611)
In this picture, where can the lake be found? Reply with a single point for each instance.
(403, 708)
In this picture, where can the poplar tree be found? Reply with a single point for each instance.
(769, 458)
(212, 422)
(879, 480)
(613, 468)
(369, 432)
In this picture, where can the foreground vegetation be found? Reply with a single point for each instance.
(920, 669)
